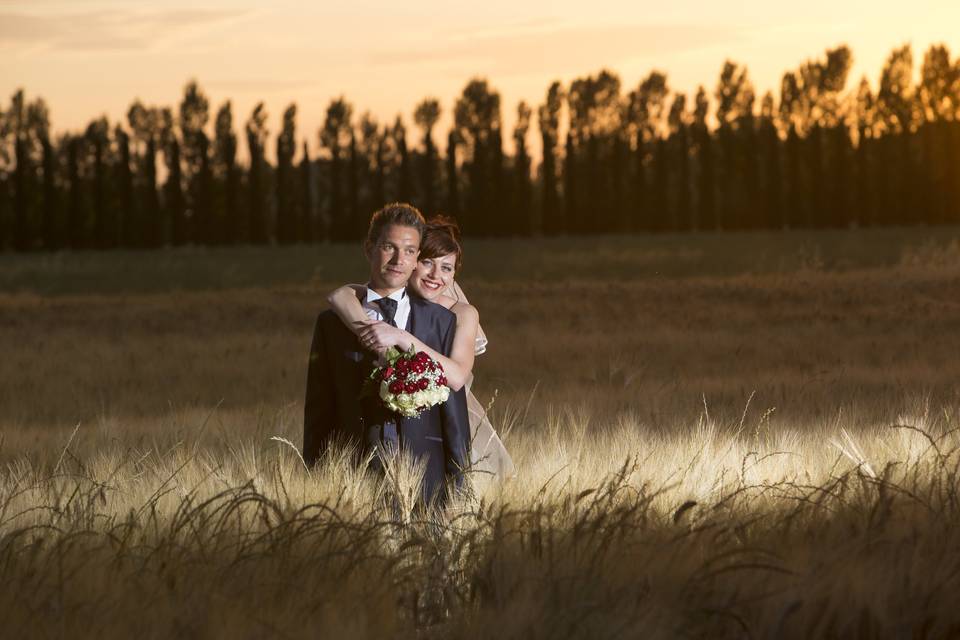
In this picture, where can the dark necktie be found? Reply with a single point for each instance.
(388, 307)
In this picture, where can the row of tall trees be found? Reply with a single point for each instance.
(644, 159)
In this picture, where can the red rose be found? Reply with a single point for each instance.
(396, 387)
(410, 387)
(442, 380)
(388, 372)
(423, 384)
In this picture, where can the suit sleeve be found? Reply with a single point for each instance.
(455, 420)
(319, 405)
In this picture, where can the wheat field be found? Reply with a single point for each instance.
(728, 435)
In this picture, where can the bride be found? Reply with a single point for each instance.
(433, 279)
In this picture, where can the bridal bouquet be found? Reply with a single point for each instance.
(410, 382)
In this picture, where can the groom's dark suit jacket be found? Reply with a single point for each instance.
(334, 409)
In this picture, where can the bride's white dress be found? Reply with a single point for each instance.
(488, 456)
(487, 453)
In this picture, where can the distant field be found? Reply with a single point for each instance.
(651, 326)
(627, 375)
(622, 258)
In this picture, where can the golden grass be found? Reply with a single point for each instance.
(733, 450)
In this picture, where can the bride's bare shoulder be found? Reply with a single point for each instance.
(465, 312)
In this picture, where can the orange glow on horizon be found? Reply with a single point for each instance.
(92, 57)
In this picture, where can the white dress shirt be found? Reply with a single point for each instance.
(403, 306)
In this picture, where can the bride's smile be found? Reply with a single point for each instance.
(431, 285)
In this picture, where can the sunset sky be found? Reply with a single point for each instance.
(91, 57)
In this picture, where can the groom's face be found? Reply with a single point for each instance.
(394, 256)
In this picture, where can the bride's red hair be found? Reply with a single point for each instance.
(441, 238)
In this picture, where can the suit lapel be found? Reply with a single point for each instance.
(412, 318)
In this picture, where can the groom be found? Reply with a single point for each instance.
(334, 409)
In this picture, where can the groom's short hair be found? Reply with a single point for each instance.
(401, 213)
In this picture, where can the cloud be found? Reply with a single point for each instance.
(103, 30)
(546, 47)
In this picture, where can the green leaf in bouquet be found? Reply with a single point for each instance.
(392, 355)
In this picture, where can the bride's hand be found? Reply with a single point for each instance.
(379, 336)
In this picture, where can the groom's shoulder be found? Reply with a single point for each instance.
(326, 317)
(329, 322)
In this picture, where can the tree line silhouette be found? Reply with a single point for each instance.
(643, 160)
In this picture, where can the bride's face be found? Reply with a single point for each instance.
(433, 275)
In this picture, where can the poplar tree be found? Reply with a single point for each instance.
(173, 188)
(645, 111)
(353, 187)
(679, 123)
(735, 97)
(452, 175)
(476, 117)
(126, 218)
(770, 199)
(706, 182)
(50, 200)
(596, 113)
(227, 212)
(194, 116)
(865, 209)
(794, 210)
(146, 227)
(98, 141)
(896, 114)
(405, 188)
(75, 208)
(524, 214)
(937, 94)
(571, 196)
(334, 136)
(256, 131)
(23, 172)
(425, 116)
(551, 215)
(308, 198)
(6, 161)
(286, 148)
(373, 176)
